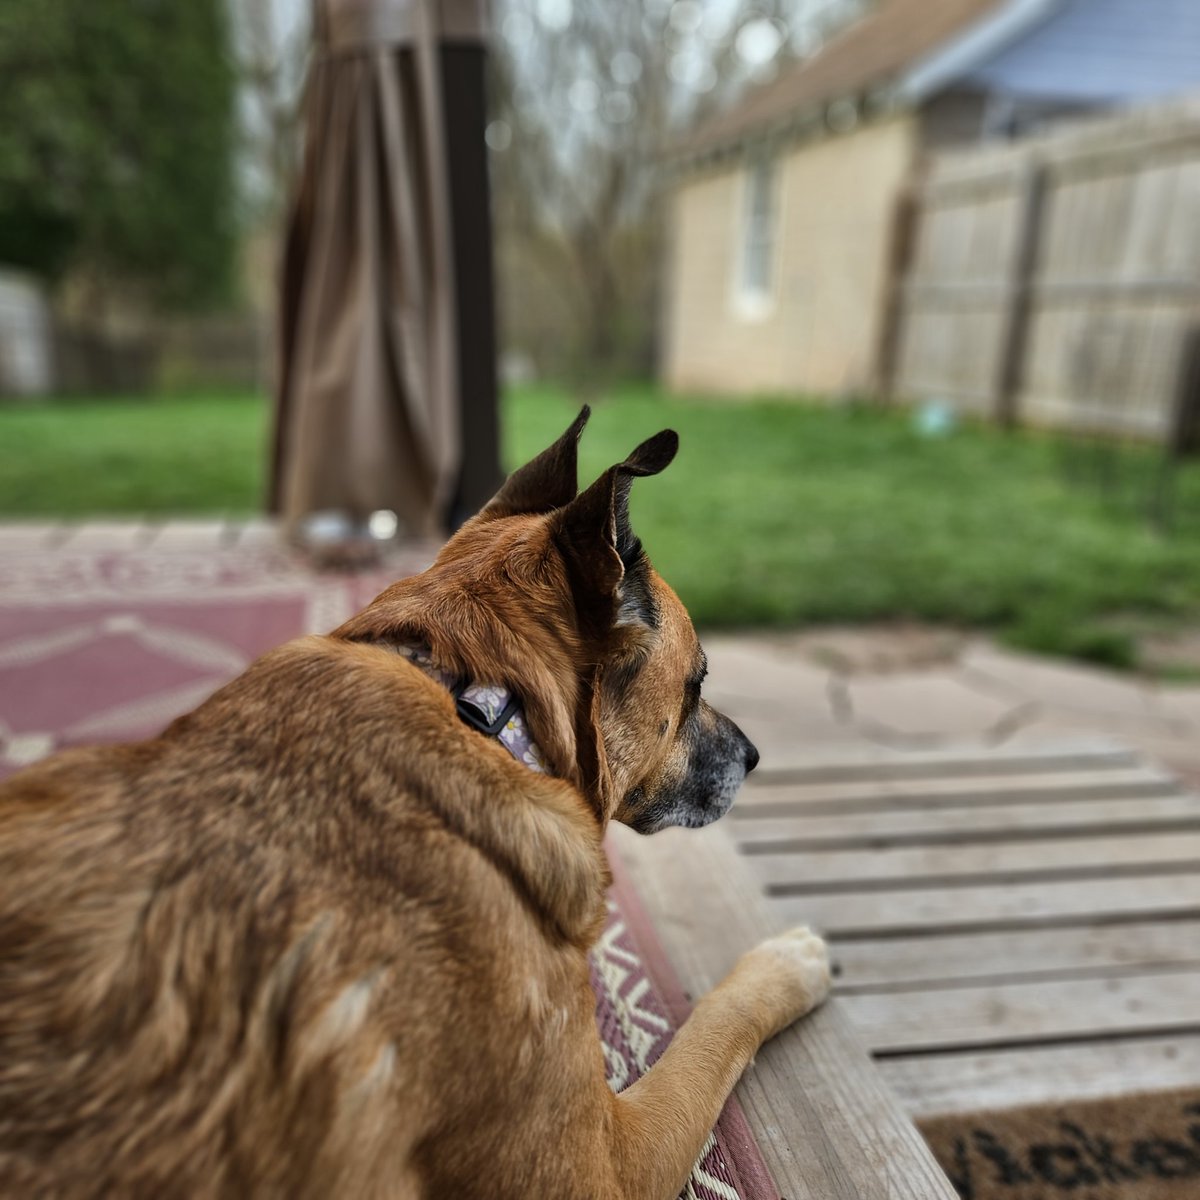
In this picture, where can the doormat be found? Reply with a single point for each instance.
(1137, 1147)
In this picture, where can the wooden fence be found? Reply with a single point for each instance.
(219, 351)
(41, 354)
(1055, 280)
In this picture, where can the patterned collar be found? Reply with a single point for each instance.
(488, 707)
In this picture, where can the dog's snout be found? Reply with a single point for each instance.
(751, 756)
(749, 749)
(737, 740)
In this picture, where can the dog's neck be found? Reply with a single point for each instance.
(491, 708)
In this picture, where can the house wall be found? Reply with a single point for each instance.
(818, 332)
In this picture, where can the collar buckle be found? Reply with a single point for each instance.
(488, 708)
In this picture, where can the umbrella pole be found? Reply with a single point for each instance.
(464, 110)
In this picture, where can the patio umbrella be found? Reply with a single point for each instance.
(368, 412)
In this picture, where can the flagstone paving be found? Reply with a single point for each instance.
(907, 689)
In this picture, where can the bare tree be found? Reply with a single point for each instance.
(271, 56)
(589, 95)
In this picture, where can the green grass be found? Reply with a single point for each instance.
(776, 513)
(176, 455)
(773, 514)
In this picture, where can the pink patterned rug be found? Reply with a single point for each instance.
(639, 1006)
(102, 646)
(99, 646)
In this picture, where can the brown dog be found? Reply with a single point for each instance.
(323, 938)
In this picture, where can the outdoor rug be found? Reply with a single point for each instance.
(639, 1005)
(112, 646)
(1135, 1147)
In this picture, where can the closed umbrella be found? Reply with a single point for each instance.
(369, 411)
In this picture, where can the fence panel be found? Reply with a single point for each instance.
(1055, 279)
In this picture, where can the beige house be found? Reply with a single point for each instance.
(784, 207)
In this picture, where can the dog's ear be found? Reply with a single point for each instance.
(546, 482)
(604, 556)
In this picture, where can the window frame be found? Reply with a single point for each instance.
(758, 227)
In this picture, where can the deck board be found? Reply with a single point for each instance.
(999, 1014)
(1006, 862)
(995, 906)
(846, 796)
(900, 964)
(1022, 822)
(931, 1085)
(870, 762)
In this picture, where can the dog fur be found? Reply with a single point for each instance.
(320, 938)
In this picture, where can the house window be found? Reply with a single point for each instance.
(758, 234)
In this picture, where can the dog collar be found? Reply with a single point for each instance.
(490, 708)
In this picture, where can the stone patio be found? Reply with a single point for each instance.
(911, 688)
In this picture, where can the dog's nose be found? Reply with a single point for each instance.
(751, 756)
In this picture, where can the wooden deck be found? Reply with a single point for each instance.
(1009, 926)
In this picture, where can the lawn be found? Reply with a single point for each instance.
(74, 458)
(773, 514)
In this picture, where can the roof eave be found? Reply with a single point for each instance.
(828, 118)
(955, 58)
(967, 51)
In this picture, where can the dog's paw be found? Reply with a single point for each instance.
(790, 973)
(806, 956)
